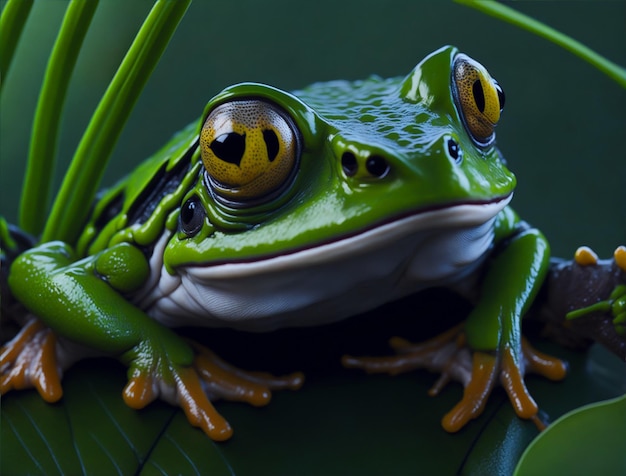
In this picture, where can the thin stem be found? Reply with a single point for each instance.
(83, 177)
(502, 12)
(602, 306)
(47, 122)
(12, 21)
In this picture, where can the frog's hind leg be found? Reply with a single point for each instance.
(445, 353)
(478, 371)
(30, 360)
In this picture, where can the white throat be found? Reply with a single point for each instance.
(327, 282)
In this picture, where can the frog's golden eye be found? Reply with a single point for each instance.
(250, 150)
(479, 97)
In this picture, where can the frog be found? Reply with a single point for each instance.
(292, 209)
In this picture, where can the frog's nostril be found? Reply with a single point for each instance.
(363, 166)
(377, 166)
(349, 163)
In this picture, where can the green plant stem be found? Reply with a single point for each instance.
(71, 206)
(12, 21)
(47, 122)
(602, 306)
(503, 12)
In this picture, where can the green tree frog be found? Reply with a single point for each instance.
(296, 209)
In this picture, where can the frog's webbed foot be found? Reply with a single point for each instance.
(193, 387)
(477, 371)
(29, 360)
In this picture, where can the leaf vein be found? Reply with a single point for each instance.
(157, 439)
(106, 451)
(41, 435)
(114, 421)
(20, 440)
(182, 452)
(73, 439)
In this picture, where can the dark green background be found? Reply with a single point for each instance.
(562, 134)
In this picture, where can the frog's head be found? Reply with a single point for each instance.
(290, 172)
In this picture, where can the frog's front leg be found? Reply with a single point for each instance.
(83, 301)
(488, 348)
(494, 326)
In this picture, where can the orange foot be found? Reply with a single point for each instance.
(209, 378)
(29, 360)
(477, 371)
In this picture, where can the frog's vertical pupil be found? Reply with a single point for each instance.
(349, 164)
(479, 95)
(454, 150)
(377, 166)
(272, 144)
(229, 147)
(191, 217)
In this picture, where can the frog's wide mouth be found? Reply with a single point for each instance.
(464, 215)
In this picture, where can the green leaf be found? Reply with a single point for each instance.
(14, 16)
(589, 440)
(47, 122)
(94, 150)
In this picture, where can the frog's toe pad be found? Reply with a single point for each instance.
(199, 410)
(211, 378)
(193, 386)
(180, 386)
(29, 361)
(475, 393)
(545, 365)
(140, 390)
(512, 377)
